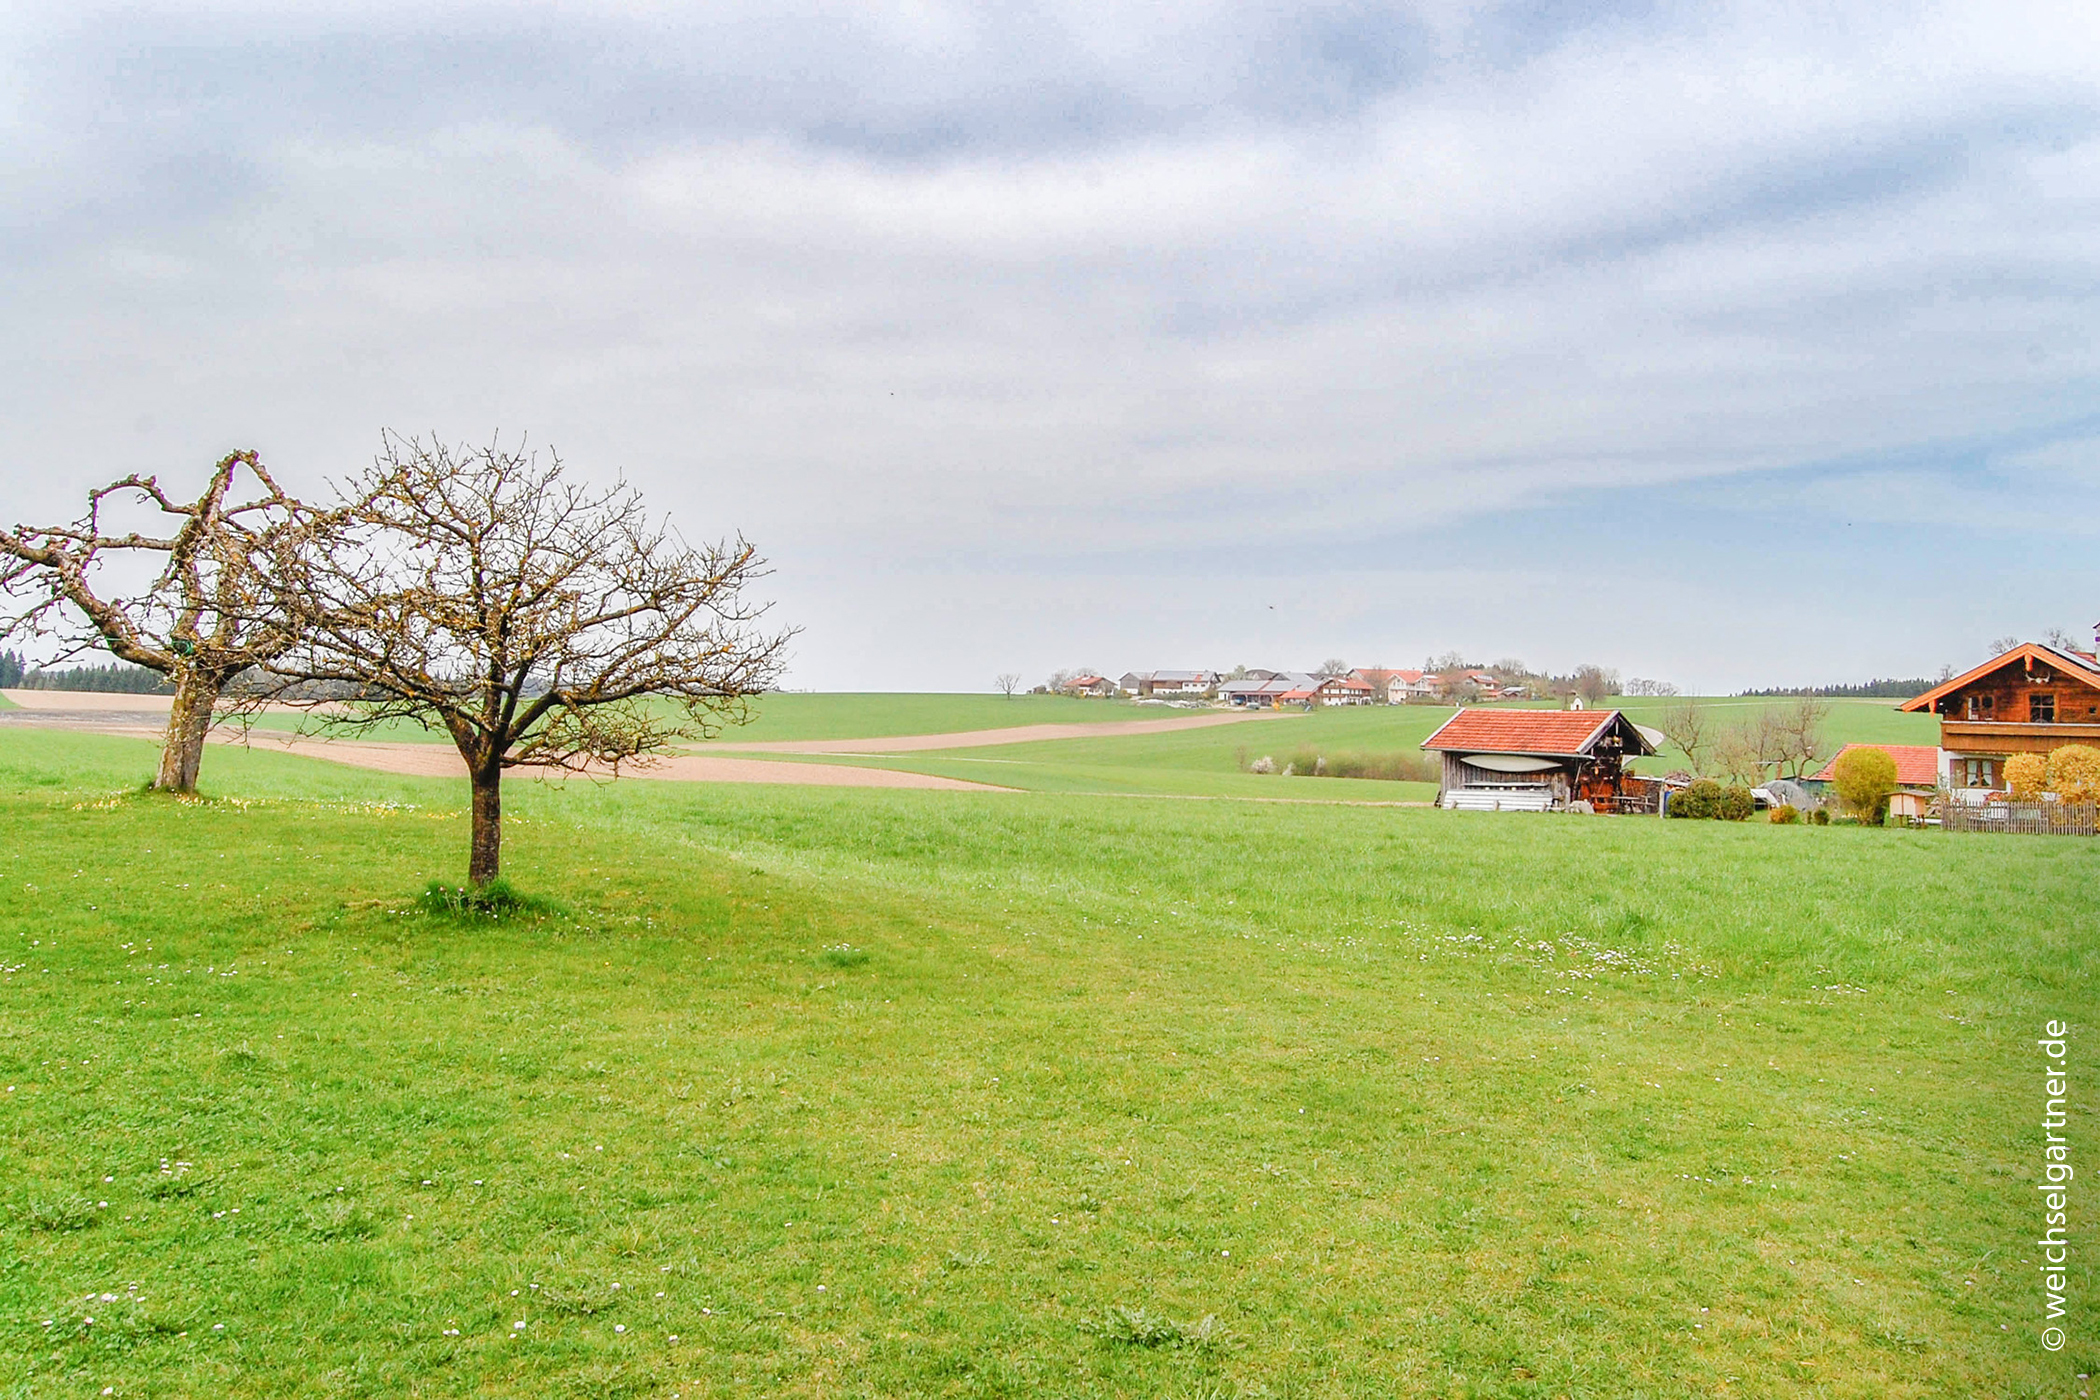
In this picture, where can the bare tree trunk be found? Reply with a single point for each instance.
(189, 720)
(487, 854)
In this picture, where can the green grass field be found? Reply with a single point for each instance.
(873, 715)
(863, 1093)
(1194, 763)
(1208, 762)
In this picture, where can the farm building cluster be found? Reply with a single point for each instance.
(2034, 698)
(1253, 688)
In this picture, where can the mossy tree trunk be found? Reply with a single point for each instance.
(189, 721)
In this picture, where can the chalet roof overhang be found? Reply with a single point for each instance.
(2028, 656)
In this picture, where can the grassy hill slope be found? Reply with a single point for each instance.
(826, 1092)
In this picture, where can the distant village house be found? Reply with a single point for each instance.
(1169, 684)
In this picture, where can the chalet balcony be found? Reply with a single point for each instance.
(2009, 736)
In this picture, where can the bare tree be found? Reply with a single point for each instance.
(2000, 645)
(1008, 683)
(1688, 726)
(1735, 753)
(1594, 683)
(1797, 733)
(539, 621)
(1380, 679)
(1330, 668)
(211, 612)
(1747, 749)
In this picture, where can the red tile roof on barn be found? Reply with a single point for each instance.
(1917, 765)
(1521, 731)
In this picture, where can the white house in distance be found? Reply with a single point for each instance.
(1175, 684)
(1345, 690)
(1400, 686)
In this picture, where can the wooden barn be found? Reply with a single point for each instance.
(1541, 761)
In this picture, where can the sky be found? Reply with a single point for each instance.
(1728, 345)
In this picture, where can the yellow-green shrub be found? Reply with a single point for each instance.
(1864, 779)
(2074, 772)
(2026, 775)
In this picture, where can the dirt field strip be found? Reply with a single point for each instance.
(443, 761)
(144, 717)
(74, 701)
(135, 716)
(987, 738)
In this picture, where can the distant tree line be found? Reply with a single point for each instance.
(121, 679)
(1868, 690)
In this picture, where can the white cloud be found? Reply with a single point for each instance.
(1157, 290)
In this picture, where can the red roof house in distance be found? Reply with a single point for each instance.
(1540, 760)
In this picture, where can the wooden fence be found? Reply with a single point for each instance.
(2023, 818)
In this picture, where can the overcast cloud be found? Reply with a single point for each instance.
(1730, 345)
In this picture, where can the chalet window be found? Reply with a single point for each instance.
(2041, 709)
(1979, 772)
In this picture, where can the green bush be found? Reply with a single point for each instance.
(1736, 804)
(1819, 817)
(1699, 802)
(1865, 779)
(1785, 814)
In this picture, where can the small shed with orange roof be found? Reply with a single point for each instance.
(1539, 760)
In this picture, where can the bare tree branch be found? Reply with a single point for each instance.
(538, 620)
(212, 613)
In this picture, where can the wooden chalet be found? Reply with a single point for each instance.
(1541, 761)
(2031, 699)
